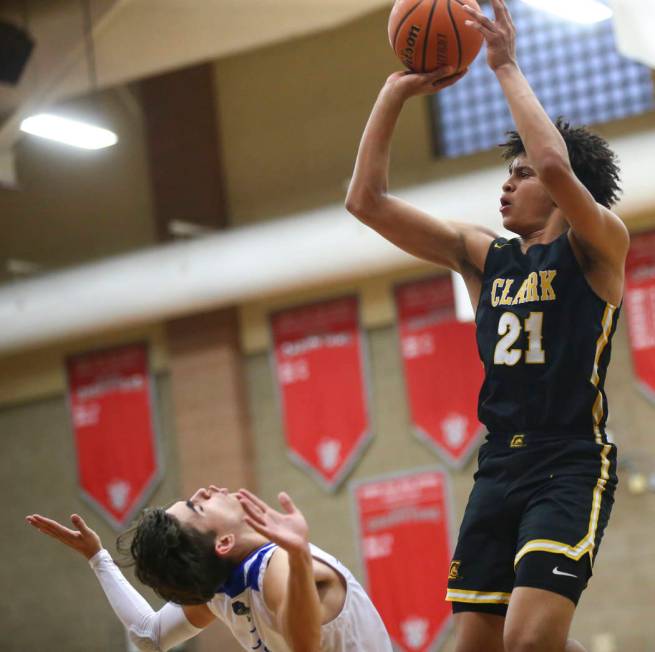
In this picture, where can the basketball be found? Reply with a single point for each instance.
(431, 34)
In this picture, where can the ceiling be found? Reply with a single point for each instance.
(133, 39)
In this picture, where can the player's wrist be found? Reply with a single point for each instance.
(509, 67)
(394, 93)
(299, 553)
(95, 557)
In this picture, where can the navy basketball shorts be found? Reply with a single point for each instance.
(535, 517)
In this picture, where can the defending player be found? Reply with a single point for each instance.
(547, 306)
(232, 557)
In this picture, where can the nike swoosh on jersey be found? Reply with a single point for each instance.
(498, 245)
(556, 571)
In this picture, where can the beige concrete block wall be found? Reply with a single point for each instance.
(50, 599)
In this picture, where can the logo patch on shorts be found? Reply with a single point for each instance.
(453, 573)
(518, 441)
(557, 571)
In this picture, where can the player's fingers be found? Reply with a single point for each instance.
(44, 523)
(445, 83)
(257, 526)
(34, 522)
(79, 523)
(64, 535)
(479, 17)
(508, 15)
(286, 502)
(252, 510)
(499, 10)
(487, 33)
(58, 532)
(255, 499)
(439, 73)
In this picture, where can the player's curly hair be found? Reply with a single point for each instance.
(178, 562)
(592, 160)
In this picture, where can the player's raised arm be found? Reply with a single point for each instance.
(289, 586)
(148, 629)
(600, 233)
(451, 244)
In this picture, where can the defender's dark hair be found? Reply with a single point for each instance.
(178, 562)
(593, 162)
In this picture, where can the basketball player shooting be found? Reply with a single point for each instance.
(231, 556)
(547, 305)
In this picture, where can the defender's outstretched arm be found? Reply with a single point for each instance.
(289, 584)
(149, 630)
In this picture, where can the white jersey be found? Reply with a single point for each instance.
(240, 605)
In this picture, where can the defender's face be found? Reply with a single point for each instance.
(525, 204)
(210, 509)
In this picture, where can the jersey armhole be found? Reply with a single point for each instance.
(580, 269)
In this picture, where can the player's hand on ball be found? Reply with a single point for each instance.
(409, 84)
(83, 539)
(499, 34)
(289, 529)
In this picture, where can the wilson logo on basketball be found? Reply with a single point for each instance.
(431, 34)
(410, 47)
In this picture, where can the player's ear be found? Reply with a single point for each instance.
(224, 544)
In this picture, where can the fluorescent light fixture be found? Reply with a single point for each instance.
(585, 12)
(71, 132)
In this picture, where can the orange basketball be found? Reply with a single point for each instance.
(431, 34)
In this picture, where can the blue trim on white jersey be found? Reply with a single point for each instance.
(246, 574)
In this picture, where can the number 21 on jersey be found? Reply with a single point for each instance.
(509, 328)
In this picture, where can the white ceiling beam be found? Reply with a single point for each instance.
(237, 266)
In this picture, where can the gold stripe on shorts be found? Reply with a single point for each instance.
(477, 597)
(588, 542)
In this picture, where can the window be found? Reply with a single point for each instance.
(574, 69)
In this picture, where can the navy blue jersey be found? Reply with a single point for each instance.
(544, 338)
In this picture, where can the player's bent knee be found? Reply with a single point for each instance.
(522, 641)
(529, 643)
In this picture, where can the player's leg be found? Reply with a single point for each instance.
(479, 631)
(538, 621)
(481, 574)
(561, 527)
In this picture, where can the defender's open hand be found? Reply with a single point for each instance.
(289, 530)
(499, 34)
(83, 540)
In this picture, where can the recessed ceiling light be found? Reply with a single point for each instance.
(70, 132)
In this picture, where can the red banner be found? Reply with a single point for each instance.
(319, 367)
(110, 402)
(640, 307)
(443, 372)
(405, 542)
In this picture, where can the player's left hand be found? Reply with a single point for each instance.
(83, 539)
(499, 34)
(289, 529)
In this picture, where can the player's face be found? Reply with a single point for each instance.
(525, 204)
(212, 509)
